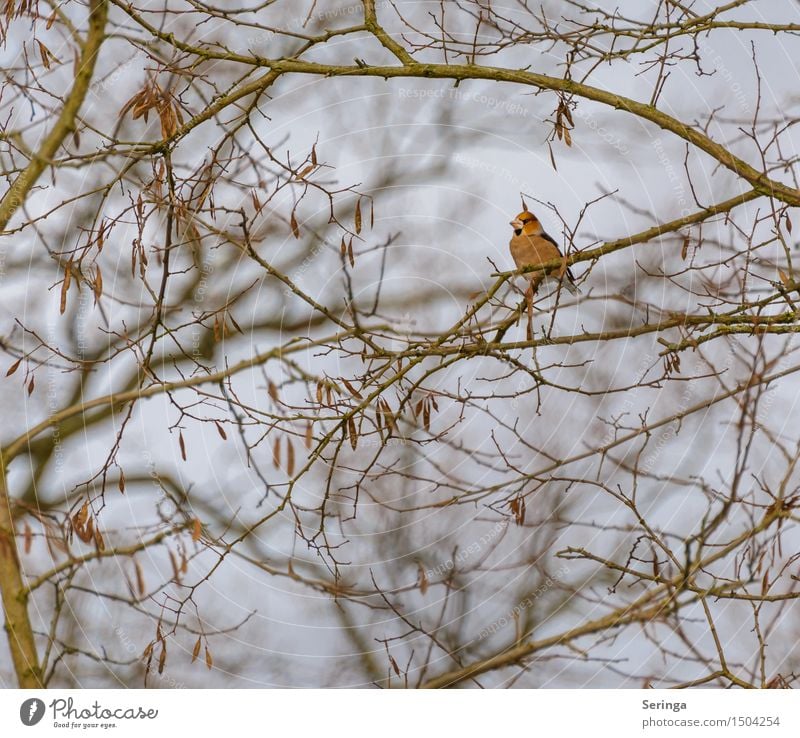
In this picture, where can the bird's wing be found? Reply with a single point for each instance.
(548, 237)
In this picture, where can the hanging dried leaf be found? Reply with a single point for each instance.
(351, 429)
(276, 453)
(221, 431)
(31, 385)
(273, 391)
(309, 435)
(209, 660)
(182, 445)
(176, 574)
(423, 579)
(357, 216)
(99, 541)
(289, 457)
(45, 54)
(98, 284)
(685, 248)
(14, 367)
(197, 529)
(353, 390)
(196, 649)
(121, 481)
(552, 157)
(140, 586)
(293, 223)
(27, 537)
(65, 287)
(162, 658)
(350, 256)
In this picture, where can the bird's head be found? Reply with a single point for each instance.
(527, 223)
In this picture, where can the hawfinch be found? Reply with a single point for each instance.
(531, 246)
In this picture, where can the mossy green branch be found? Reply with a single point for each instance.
(65, 124)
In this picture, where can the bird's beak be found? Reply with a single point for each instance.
(517, 224)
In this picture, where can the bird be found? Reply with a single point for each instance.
(531, 246)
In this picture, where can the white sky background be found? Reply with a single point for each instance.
(488, 141)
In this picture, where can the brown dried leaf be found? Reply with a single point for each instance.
(139, 577)
(295, 228)
(14, 367)
(31, 385)
(289, 456)
(196, 649)
(197, 529)
(44, 54)
(182, 445)
(273, 391)
(306, 171)
(350, 256)
(353, 390)
(221, 431)
(276, 453)
(552, 157)
(309, 437)
(357, 216)
(27, 536)
(98, 284)
(209, 660)
(351, 429)
(65, 286)
(423, 579)
(176, 574)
